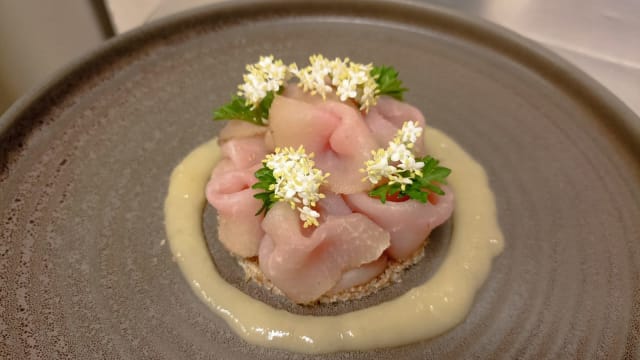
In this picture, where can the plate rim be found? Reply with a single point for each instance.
(624, 122)
(27, 112)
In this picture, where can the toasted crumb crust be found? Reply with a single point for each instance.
(391, 275)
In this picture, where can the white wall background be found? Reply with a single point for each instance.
(602, 37)
(38, 37)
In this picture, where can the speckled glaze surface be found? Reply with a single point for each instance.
(85, 271)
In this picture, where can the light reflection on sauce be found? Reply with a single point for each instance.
(423, 312)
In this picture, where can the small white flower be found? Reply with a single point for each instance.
(400, 180)
(339, 70)
(308, 216)
(409, 133)
(297, 181)
(351, 80)
(358, 76)
(264, 76)
(347, 89)
(289, 192)
(396, 163)
(314, 77)
(368, 98)
(379, 167)
(409, 163)
(398, 151)
(254, 89)
(403, 181)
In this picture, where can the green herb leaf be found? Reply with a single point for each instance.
(380, 192)
(388, 82)
(433, 175)
(416, 193)
(262, 111)
(265, 180)
(237, 109)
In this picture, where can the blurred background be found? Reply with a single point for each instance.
(39, 37)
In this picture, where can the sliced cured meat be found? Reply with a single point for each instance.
(332, 204)
(295, 92)
(229, 191)
(360, 275)
(239, 129)
(409, 222)
(386, 118)
(334, 132)
(306, 265)
(244, 152)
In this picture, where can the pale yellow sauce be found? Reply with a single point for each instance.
(423, 312)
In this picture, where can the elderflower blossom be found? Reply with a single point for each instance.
(351, 80)
(313, 78)
(262, 77)
(396, 163)
(354, 81)
(409, 133)
(369, 94)
(297, 181)
(378, 167)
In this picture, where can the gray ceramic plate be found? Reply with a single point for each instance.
(84, 268)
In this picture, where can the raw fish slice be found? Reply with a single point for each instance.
(360, 275)
(409, 222)
(223, 166)
(239, 129)
(332, 204)
(386, 118)
(334, 132)
(293, 123)
(306, 265)
(245, 152)
(295, 92)
(239, 235)
(229, 191)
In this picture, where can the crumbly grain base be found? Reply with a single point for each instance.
(392, 274)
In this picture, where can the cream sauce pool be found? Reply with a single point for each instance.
(423, 312)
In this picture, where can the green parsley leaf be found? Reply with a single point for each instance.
(433, 175)
(380, 192)
(237, 109)
(262, 111)
(265, 180)
(388, 82)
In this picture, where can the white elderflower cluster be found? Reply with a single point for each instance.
(351, 80)
(264, 76)
(314, 78)
(297, 181)
(397, 163)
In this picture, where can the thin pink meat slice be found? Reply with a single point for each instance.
(409, 222)
(239, 129)
(386, 118)
(306, 264)
(332, 204)
(229, 192)
(244, 152)
(334, 132)
(360, 275)
(296, 92)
